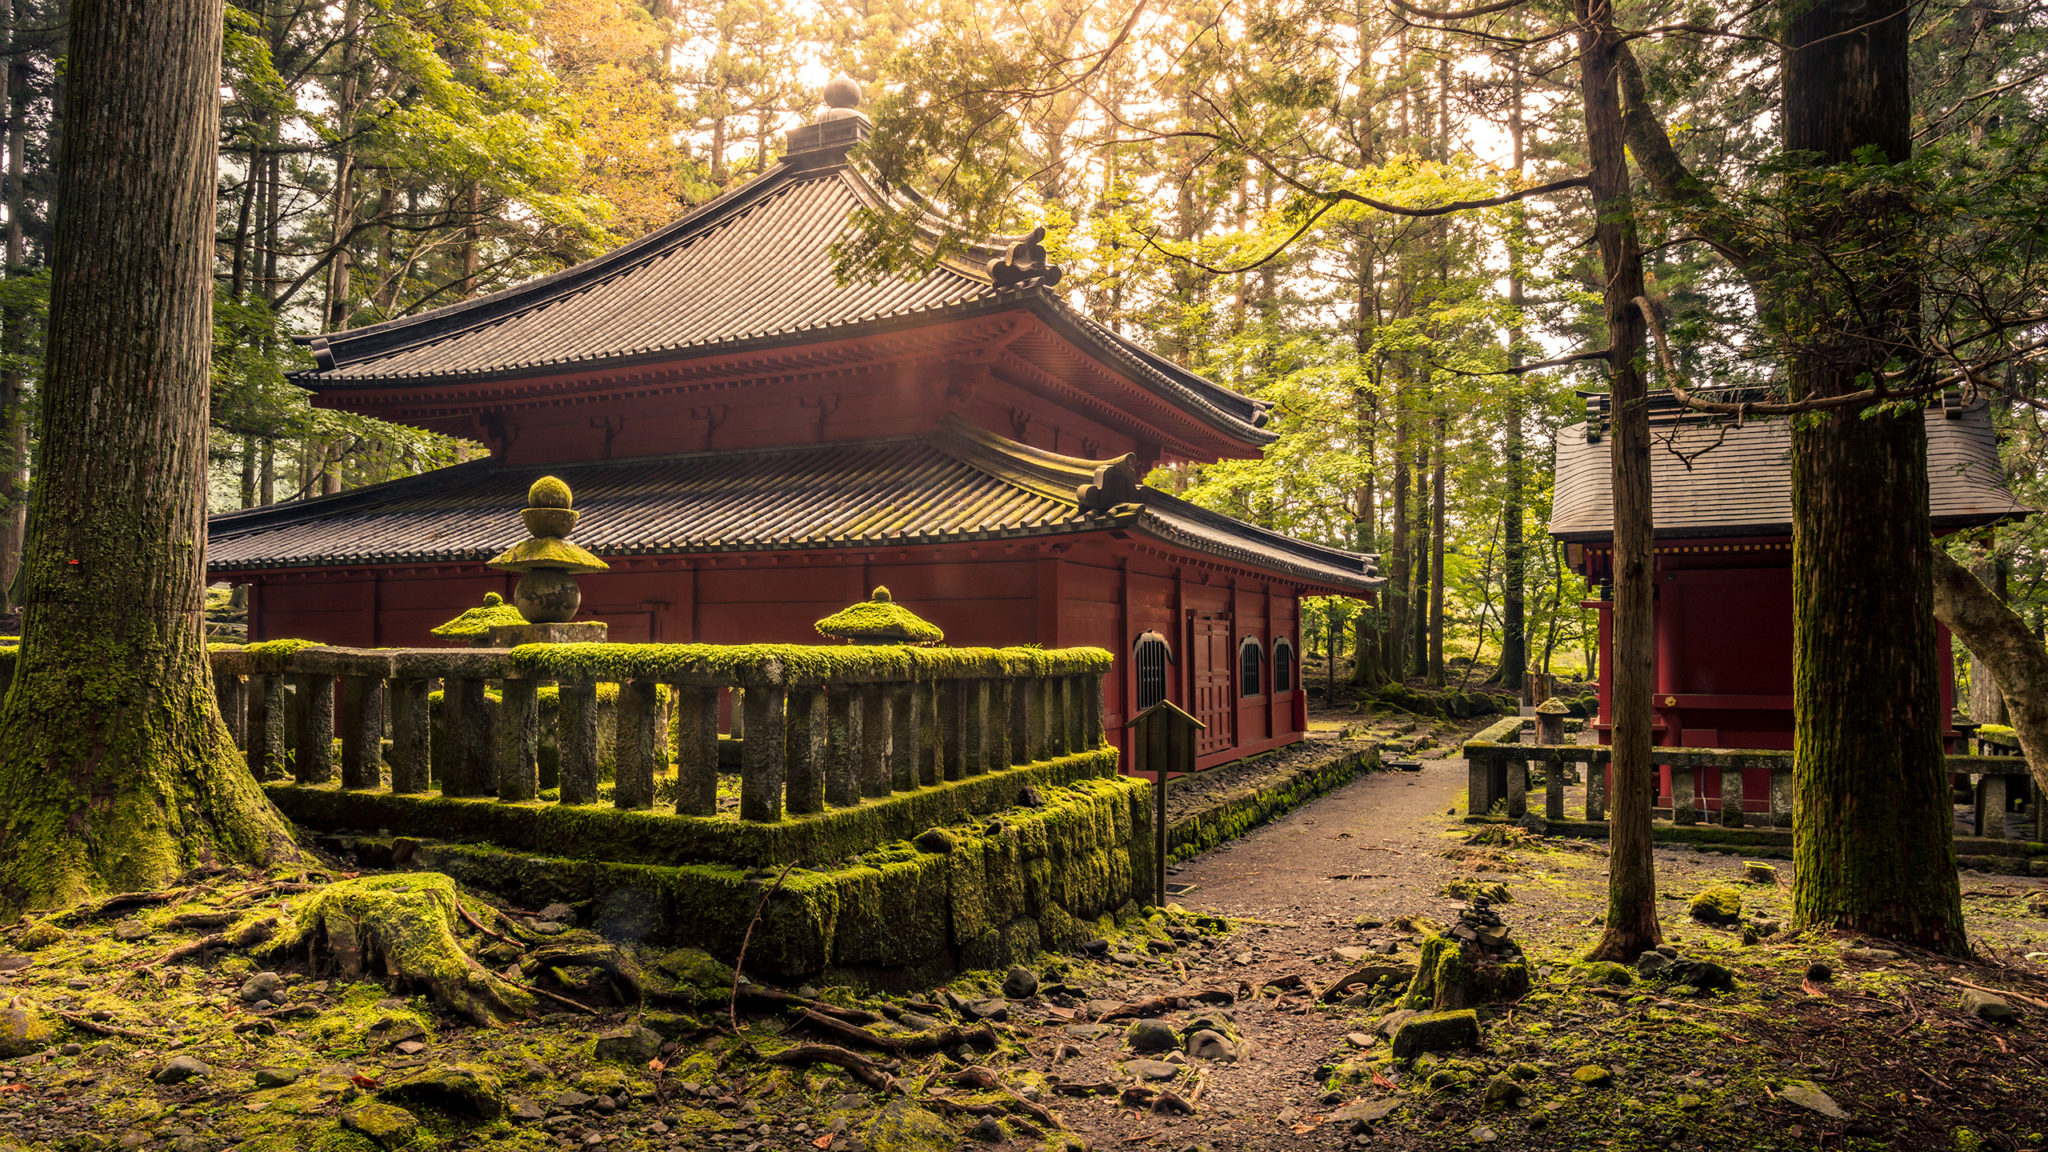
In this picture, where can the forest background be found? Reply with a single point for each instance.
(383, 157)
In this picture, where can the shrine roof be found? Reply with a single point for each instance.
(1710, 476)
(960, 484)
(751, 269)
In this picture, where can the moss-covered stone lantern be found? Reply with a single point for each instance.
(546, 562)
(879, 620)
(475, 624)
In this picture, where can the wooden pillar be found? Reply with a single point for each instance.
(576, 741)
(638, 746)
(842, 746)
(903, 748)
(411, 727)
(696, 752)
(761, 758)
(362, 732)
(805, 751)
(517, 743)
(313, 759)
(1731, 798)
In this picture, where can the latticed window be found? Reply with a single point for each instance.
(1283, 666)
(1249, 656)
(1150, 655)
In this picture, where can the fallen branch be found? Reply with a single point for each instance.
(857, 1066)
(564, 1000)
(1999, 992)
(933, 1040)
(732, 1005)
(1088, 1089)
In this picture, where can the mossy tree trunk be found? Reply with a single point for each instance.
(2001, 645)
(1873, 829)
(116, 771)
(1631, 869)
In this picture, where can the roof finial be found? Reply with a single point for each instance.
(842, 99)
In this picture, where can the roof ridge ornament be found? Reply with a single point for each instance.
(1025, 265)
(1116, 482)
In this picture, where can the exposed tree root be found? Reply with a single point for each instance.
(928, 1041)
(857, 1066)
(986, 1079)
(400, 927)
(591, 952)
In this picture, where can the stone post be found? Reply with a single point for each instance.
(1091, 712)
(313, 759)
(362, 732)
(1479, 784)
(1518, 789)
(903, 747)
(411, 726)
(953, 728)
(999, 754)
(842, 746)
(466, 722)
(1685, 807)
(1731, 798)
(1056, 717)
(1077, 714)
(928, 751)
(1596, 791)
(1991, 806)
(639, 744)
(696, 712)
(516, 756)
(874, 740)
(974, 697)
(761, 754)
(805, 751)
(1026, 745)
(268, 709)
(576, 739)
(1553, 787)
(231, 693)
(1781, 795)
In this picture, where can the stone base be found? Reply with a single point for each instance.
(1043, 878)
(574, 632)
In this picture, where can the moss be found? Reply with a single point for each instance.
(1718, 904)
(479, 621)
(546, 552)
(399, 927)
(880, 619)
(797, 664)
(549, 492)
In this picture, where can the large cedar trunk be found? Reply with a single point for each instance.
(2001, 645)
(1873, 828)
(115, 769)
(1631, 869)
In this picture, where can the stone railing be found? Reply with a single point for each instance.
(816, 726)
(1499, 766)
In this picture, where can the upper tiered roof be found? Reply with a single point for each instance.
(1710, 476)
(750, 271)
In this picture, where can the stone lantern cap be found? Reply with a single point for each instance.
(549, 520)
(879, 620)
(479, 621)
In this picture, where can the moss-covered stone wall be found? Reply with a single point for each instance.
(598, 832)
(1237, 813)
(981, 893)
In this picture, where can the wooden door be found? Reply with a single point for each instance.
(1214, 662)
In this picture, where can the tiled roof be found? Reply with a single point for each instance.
(752, 268)
(1709, 476)
(962, 484)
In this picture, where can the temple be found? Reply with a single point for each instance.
(754, 444)
(1722, 509)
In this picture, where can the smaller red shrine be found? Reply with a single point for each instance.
(1722, 509)
(754, 444)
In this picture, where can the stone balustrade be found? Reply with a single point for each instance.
(1499, 767)
(817, 727)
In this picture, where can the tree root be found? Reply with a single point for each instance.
(592, 953)
(859, 1067)
(986, 1079)
(400, 927)
(929, 1041)
(88, 1024)
(755, 996)
(115, 905)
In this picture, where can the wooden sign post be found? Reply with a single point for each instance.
(1163, 742)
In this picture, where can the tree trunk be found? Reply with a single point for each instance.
(116, 772)
(1631, 870)
(1396, 587)
(1436, 556)
(1987, 699)
(1514, 629)
(14, 324)
(1873, 826)
(2000, 641)
(1419, 573)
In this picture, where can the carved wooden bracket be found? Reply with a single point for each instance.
(1116, 482)
(826, 403)
(1020, 423)
(711, 415)
(611, 426)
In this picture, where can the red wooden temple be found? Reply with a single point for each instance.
(754, 445)
(1722, 509)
